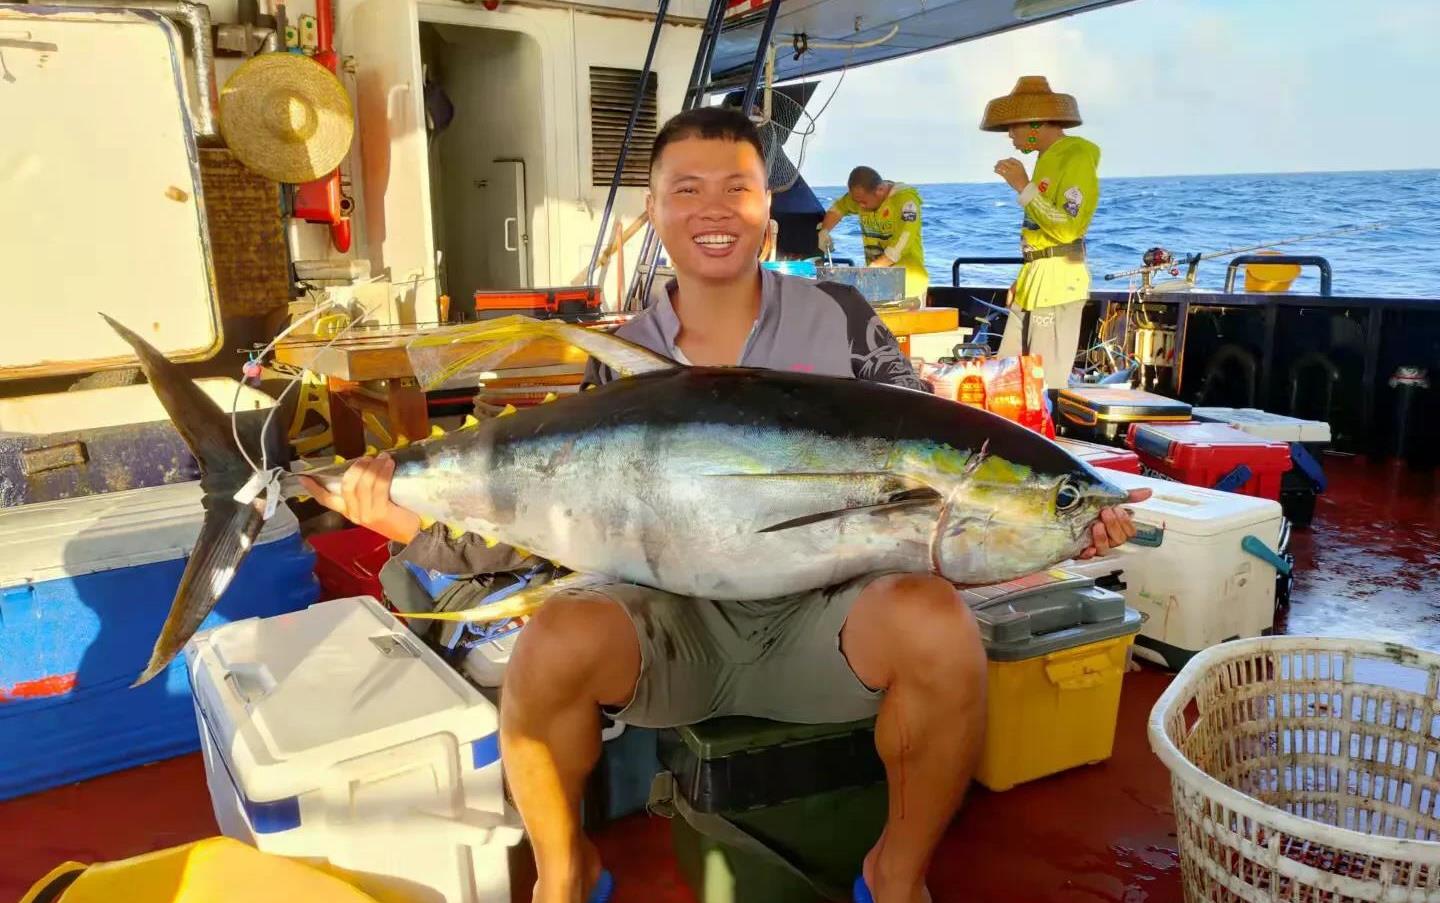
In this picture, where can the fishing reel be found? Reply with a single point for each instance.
(1160, 258)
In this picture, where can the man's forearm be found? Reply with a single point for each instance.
(831, 220)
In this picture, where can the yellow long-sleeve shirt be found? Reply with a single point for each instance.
(893, 229)
(1059, 204)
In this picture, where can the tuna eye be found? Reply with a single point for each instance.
(1067, 497)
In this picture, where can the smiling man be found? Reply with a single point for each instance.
(902, 647)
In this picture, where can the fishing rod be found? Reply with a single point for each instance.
(1193, 260)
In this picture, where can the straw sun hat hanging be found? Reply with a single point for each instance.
(286, 117)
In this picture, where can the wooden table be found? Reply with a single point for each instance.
(369, 371)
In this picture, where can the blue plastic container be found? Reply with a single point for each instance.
(804, 268)
(85, 585)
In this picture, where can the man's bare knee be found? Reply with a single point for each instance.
(913, 625)
(577, 644)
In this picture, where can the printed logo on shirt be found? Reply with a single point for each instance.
(910, 212)
(1073, 199)
(884, 212)
(1044, 185)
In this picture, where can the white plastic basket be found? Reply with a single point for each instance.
(1305, 769)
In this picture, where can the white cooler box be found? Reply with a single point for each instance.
(332, 733)
(1201, 585)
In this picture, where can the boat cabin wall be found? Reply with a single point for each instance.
(518, 77)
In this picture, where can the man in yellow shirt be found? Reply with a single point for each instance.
(1059, 200)
(889, 223)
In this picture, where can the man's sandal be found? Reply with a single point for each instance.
(605, 887)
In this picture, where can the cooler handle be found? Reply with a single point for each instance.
(1148, 535)
(1078, 413)
(1235, 479)
(1150, 443)
(1306, 462)
(1255, 546)
(249, 681)
(476, 827)
(1079, 673)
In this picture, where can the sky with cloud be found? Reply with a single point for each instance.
(1166, 87)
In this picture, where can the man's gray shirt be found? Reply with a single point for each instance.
(804, 326)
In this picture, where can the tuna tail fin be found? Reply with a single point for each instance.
(476, 347)
(229, 528)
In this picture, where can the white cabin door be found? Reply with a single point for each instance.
(384, 37)
(508, 233)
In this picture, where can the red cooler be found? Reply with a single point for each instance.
(1107, 456)
(1212, 455)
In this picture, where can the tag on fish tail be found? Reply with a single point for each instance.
(434, 359)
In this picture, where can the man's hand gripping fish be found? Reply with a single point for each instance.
(713, 482)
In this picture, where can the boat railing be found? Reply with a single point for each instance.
(1301, 260)
(980, 261)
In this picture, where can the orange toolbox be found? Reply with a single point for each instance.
(574, 303)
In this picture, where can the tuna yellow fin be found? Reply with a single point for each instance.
(508, 409)
(371, 451)
(455, 532)
(401, 442)
(517, 605)
(427, 522)
(436, 432)
(339, 459)
(470, 422)
(549, 397)
(485, 346)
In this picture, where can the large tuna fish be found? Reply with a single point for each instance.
(725, 483)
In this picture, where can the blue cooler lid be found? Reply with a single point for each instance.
(84, 535)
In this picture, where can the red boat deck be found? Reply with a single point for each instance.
(1370, 566)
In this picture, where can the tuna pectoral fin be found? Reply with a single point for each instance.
(918, 498)
(230, 527)
(516, 605)
(473, 348)
(228, 532)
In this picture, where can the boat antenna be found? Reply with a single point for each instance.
(1194, 259)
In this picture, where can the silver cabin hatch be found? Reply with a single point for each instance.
(486, 153)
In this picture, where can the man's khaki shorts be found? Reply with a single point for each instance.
(778, 658)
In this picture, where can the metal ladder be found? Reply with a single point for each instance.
(647, 268)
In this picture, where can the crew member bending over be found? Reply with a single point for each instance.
(889, 224)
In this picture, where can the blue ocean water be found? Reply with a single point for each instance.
(1198, 214)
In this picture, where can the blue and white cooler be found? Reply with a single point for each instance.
(334, 734)
(85, 585)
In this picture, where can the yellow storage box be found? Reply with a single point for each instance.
(1058, 647)
(214, 870)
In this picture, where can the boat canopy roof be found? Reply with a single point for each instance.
(890, 28)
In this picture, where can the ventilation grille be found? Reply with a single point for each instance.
(612, 91)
